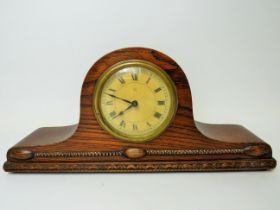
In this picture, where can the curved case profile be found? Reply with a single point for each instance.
(186, 145)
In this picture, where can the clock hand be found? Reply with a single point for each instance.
(133, 104)
(113, 96)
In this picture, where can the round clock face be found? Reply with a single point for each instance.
(135, 100)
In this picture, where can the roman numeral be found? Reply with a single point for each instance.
(157, 90)
(135, 127)
(112, 114)
(122, 124)
(161, 102)
(121, 80)
(157, 115)
(109, 102)
(148, 80)
(134, 76)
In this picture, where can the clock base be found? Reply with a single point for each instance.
(51, 149)
(135, 166)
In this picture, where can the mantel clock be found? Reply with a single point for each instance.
(136, 116)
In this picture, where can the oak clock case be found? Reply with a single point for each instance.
(136, 116)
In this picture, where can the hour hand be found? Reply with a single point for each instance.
(113, 96)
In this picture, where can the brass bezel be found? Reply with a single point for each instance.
(150, 66)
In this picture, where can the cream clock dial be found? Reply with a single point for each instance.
(135, 100)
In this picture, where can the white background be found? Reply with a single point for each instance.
(230, 51)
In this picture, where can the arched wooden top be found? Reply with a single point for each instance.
(163, 61)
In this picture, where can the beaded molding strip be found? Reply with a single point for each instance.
(196, 152)
(150, 152)
(77, 154)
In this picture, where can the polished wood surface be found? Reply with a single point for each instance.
(87, 147)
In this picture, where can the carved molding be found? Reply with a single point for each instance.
(77, 154)
(149, 152)
(164, 166)
(166, 152)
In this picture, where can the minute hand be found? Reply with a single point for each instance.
(133, 104)
(122, 112)
(113, 96)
